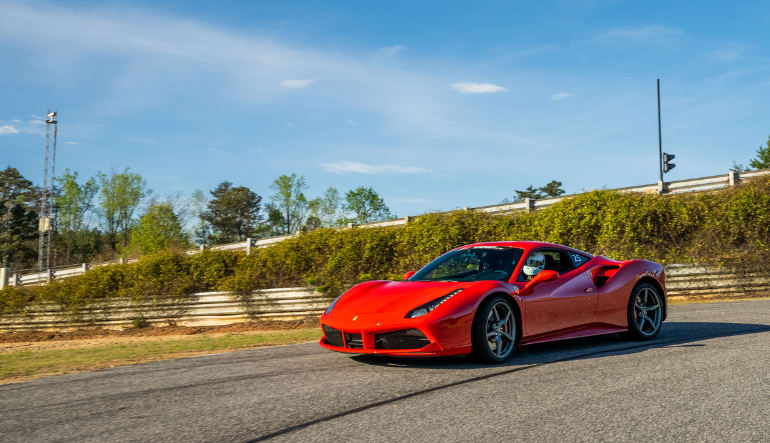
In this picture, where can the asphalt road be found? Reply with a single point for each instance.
(705, 378)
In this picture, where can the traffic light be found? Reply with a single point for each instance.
(667, 165)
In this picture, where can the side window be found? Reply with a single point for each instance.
(558, 261)
(555, 260)
(578, 260)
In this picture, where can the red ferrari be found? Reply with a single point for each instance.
(488, 298)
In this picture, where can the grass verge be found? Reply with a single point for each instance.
(25, 365)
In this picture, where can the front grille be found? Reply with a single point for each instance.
(354, 340)
(333, 336)
(404, 339)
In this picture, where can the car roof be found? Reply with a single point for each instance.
(526, 244)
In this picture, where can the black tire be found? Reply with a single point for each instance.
(645, 312)
(490, 330)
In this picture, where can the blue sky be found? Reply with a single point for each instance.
(437, 105)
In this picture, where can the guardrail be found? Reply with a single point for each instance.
(699, 184)
(202, 309)
(219, 308)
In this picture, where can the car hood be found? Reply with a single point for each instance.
(389, 296)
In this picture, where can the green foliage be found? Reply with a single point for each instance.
(74, 201)
(158, 229)
(730, 227)
(140, 322)
(366, 205)
(329, 208)
(233, 214)
(550, 189)
(18, 219)
(289, 205)
(762, 161)
(121, 194)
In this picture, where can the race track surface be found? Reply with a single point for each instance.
(706, 377)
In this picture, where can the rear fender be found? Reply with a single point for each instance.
(614, 293)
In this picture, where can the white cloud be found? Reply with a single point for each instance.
(8, 130)
(363, 168)
(727, 54)
(296, 83)
(561, 96)
(71, 143)
(477, 88)
(351, 122)
(651, 34)
(392, 50)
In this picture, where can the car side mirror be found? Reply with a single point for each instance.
(408, 275)
(541, 277)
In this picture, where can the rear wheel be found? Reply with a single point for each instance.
(645, 312)
(493, 334)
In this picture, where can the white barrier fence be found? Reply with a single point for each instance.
(699, 184)
(220, 308)
(201, 309)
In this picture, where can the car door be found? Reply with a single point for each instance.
(562, 303)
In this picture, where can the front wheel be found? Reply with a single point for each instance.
(645, 312)
(494, 330)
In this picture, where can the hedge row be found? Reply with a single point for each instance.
(729, 226)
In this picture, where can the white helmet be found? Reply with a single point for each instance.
(534, 264)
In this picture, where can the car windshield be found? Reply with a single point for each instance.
(472, 264)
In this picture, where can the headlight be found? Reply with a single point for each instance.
(329, 309)
(431, 305)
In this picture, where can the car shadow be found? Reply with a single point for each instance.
(674, 334)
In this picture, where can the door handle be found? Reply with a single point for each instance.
(588, 290)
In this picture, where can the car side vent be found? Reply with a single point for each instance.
(602, 274)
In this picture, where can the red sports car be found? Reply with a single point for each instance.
(487, 298)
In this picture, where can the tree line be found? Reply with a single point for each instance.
(117, 214)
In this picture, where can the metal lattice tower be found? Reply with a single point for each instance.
(47, 194)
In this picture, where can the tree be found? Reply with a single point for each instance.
(289, 204)
(762, 161)
(74, 201)
(366, 205)
(329, 208)
(18, 219)
(530, 192)
(550, 189)
(201, 230)
(233, 213)
(121, 194)
(159, 228)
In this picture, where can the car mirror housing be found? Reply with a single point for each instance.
(408, 275)
(541, 277)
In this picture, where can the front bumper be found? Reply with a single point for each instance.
(396, 340)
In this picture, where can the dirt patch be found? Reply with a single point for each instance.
(159, 331)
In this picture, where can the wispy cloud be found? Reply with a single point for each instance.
(9, 130)
(70, 143)
(351, 122)
(16, 127)
(650, 34)
(477, 88)
(296, 83)
(363, 168)
(392, 50)
(727, 53)
(561, 96)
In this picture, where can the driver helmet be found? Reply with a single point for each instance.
(534, 264)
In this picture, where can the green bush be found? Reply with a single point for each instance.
(725, 227)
